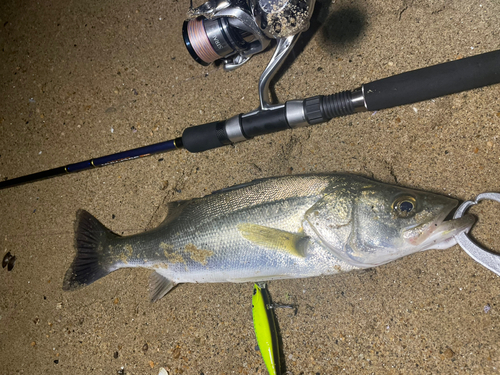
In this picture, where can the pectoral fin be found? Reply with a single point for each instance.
(275, 239)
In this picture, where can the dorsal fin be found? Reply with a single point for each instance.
(240, 186)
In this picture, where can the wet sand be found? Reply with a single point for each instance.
(82, 79)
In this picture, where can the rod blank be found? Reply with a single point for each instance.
(94, 163)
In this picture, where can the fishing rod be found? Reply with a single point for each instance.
(233, 32)
(410, 87)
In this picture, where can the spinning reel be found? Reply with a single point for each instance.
(234, 30)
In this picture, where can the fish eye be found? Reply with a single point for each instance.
(404, 206)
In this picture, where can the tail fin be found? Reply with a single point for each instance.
(90, 239)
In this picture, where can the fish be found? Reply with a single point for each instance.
(285, 227)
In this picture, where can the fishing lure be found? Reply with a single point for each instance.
(265, 328)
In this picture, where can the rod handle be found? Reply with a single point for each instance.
(238, 128)
(434, 81)
(205, 137)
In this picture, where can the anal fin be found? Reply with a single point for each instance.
(159, 286)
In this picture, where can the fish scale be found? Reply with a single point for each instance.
(275, 228)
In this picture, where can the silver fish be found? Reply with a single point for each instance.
(275, 228)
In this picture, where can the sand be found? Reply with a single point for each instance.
(82, 79)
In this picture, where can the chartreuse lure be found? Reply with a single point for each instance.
(265, 328)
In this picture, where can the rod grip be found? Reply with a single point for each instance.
(205, 137)
(215, 134)
(434, 81)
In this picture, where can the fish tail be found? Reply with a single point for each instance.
(90, 262)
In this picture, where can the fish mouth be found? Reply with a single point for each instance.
(440, 234)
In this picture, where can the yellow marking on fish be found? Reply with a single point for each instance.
(168, 251)
(174, 258)
(274, 239)
(128, 249)
(161, 265)
(125, 254)
(198, 255)
(166, 247)
(123, 258)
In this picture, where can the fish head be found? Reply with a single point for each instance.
(387, 222)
